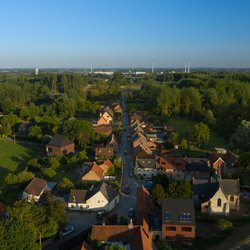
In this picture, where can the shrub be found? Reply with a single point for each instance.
(49, 172)
(225, 225)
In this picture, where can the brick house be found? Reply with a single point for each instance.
(178, 220)
(217, 163)
(103, 130)
(59, 145)
(34, 190)
(104, 152)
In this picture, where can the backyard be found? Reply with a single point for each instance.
(184, 128)
(13, 158)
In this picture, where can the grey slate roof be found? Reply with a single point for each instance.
(198, 166)
(77, 196)
(146, 163)
(205, 187)
(108, 192)
(59, 141)
(179, 211)
(230, 186)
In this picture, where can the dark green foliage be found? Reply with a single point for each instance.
(27, 221)
(80, 131)
(65, 184)
(200, 134)
(158, 194)
(20, 178)
(179, 189)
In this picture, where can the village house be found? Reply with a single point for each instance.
(217, 163)
(197, 170)
(144, 209)
(103, 130)
(96, 172)
(106, 116)
(103, 197)
(34, 190)
(173, 166)
(132, 237)
(113, 143)
(116, 107)
(219, 197)
(178, 220)
(104, 152)
(145, 168)
(59, 145)
(231, 159)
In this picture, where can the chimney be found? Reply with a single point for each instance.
(130, 225)
(74, 198)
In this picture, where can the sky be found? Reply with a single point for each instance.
(124, 33)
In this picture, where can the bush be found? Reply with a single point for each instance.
(54, 163)
(225, 225)
(49, 172)
(22, 177)
(65, 184)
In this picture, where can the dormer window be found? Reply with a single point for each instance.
(185, 217)
(167, 216)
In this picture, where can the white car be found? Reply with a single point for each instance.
(67, 230)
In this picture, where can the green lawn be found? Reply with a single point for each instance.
(13, 157)
(184, 128)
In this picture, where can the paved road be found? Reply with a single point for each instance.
(127, 201)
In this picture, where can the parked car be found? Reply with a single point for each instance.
(127, 190)
(149, 185)
(100, 215)
(67, 230)
(125, 152)
(131, 173)
(131, 212)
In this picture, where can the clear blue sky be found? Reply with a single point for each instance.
(124, 33)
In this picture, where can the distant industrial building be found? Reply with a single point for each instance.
(36, 71)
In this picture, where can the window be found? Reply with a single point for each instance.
(186, 229)
(185, 217)
(219, 202)
(167, 216)
(72, 206)
(170, 228)
(81, 206)
(231, 198)
(98, 201)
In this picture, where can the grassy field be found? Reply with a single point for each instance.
(13, 157)
(184, 128)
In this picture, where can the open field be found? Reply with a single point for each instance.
(13, 157)
(184, 128)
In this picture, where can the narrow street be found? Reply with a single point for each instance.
(127, 200)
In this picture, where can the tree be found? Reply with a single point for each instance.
(241, 137)
(158, 194)
(20, 178)
(65, 184)
(33, 163)
(36, 132)
(54, 163)
(174, 138)
(179, 189)
(82, 156)
(184, 144)
(161, 179)
(200, 134)
(80, 131)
